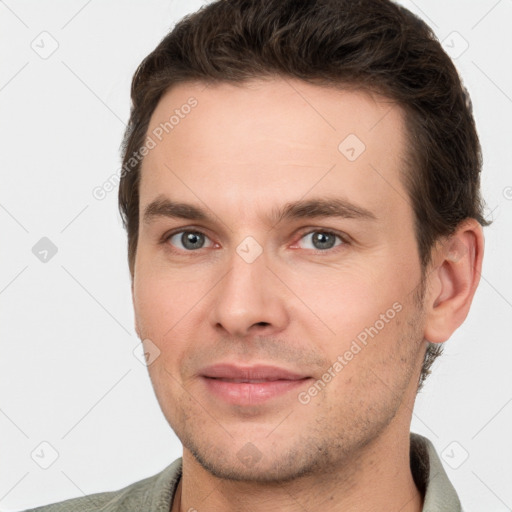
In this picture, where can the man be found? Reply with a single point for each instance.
(301, 193)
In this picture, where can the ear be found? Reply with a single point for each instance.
(452, 280)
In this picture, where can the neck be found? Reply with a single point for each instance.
(379, 479)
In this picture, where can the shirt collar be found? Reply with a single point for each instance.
(431, 478)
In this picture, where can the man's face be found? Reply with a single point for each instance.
(329, 298)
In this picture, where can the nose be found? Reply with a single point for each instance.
(250, 299)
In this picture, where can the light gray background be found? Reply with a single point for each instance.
(68, 373)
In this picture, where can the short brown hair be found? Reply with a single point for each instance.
(369, 44)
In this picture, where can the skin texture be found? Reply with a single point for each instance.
(242, 152)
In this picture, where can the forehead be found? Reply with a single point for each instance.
(275, 141)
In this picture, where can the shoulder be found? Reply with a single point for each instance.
(152, 493)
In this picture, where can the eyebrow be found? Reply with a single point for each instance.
(163, 207)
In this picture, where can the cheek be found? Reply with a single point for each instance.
(159, 305)
(347, 300)
(167, 306)
(147, 301)
(155, 303)
(160, 291)
(362, 309)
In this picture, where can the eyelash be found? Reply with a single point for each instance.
(344, 239)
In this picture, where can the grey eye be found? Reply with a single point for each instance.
(322, 240)
(189, 240)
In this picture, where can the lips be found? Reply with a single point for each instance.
(260, 373)
(250, 385)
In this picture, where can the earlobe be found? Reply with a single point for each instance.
(457, 264)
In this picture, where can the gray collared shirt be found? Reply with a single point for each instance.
(156, 493)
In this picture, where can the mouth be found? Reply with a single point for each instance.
(261, 373)
(251, 381)
(250, 385)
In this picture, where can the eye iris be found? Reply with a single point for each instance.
(323, 240)
(192, 240)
